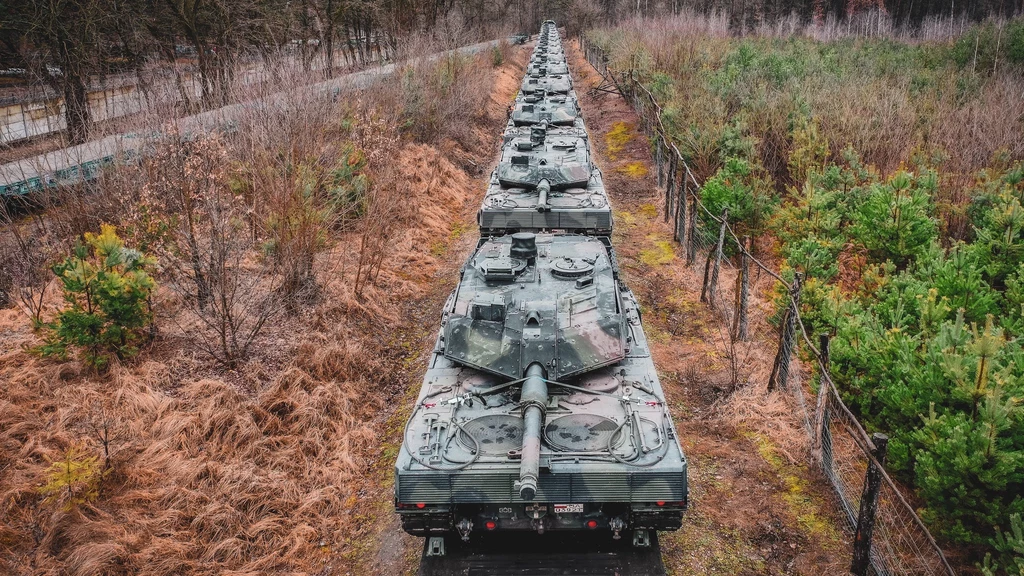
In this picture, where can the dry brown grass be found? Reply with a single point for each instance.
(206, 477)
(264, 468)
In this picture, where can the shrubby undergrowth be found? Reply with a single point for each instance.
(887, 173)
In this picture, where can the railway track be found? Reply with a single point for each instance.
(530, 554)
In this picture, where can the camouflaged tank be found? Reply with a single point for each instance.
(537, 108)
(544, 68)
(545, 180)
(541, 408)
(548, 83)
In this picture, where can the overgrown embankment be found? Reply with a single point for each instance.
(244, 435)
(885, 173)
(756, 508)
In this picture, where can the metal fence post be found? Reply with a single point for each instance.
(868, 507)
(742, 293)
(671, 190)
(780, 369)
(691, 246)
(707, 293)
(660, 165)
(821, 407)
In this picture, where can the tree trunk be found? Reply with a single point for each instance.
(76, 108)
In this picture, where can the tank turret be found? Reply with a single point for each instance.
(549, 83)
(562, 157)
(537, 108)
(562, 315)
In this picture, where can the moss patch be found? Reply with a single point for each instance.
(659, 254)
(649, 211)
(622, 133)
(624, 218)
(633, 169)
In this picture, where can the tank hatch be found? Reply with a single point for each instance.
(561, 309)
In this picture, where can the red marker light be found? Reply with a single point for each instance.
(490, 525)
(660, 502)
(421, 505)
(591, 524)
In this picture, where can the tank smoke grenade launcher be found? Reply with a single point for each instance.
(541, 409)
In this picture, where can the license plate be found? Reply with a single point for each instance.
(568, 508)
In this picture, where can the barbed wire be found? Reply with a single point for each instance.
(841, 447)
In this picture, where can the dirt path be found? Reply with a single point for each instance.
(754, 509)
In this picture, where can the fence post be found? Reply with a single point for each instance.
(691, 246)
(660, 164)
(707, 293)
(742, 293)
(822, 405)
(671, 188)
(780, 369)
(683, 211)
(868, 507)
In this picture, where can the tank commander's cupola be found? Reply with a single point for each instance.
(524, 246)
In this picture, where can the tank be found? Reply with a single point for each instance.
(537, 108)
(543, 68)
(549, 83)
(545, 180)
(541, 409)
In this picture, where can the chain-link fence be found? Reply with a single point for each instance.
(888, 536)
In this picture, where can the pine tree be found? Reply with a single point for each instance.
(107, 289)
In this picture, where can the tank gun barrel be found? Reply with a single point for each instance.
(542, 201)
(534, 399)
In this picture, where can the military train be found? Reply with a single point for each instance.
(541, 409)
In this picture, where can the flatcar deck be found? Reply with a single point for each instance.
(551, 554)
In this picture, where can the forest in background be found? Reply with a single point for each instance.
(889, 173)
(69, 46)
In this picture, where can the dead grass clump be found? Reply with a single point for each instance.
(211, 478)
(772, 415)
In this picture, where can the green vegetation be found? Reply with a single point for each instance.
(1010, 547)
(880, 170)
(73, 479)
(106, 288)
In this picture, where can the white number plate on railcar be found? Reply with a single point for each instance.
(568, 508)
